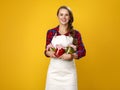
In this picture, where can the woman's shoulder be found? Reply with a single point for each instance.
(76, 32)
(53, 30)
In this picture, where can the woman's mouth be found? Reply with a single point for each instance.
(63, 20)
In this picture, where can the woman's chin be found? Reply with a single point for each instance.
(64, 23)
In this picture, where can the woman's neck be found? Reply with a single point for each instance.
(63, 28)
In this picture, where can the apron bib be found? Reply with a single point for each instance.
(61, 73)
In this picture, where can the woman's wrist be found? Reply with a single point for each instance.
(75, 56)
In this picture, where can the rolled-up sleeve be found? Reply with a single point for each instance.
(81, 51)
(49, 36)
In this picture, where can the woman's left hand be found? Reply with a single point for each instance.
(66, 56)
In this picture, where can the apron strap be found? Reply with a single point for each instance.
(55, 34)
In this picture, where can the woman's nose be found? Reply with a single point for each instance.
(64, 16)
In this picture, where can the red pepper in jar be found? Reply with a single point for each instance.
(59, 52)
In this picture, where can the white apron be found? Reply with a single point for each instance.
(61, 73)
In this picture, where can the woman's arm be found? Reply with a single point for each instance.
(49, 37)
(66, 56)
(81, 51)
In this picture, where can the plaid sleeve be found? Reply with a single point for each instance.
(49, 36)
(81, 51)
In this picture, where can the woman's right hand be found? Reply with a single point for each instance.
(51, 54)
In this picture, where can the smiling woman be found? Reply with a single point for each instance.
(63, 45)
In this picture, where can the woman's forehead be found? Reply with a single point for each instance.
(63, 10)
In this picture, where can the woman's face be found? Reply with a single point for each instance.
(63, 16)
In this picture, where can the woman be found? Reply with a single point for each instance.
(62, 72)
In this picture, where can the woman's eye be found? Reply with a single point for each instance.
(61, 14)
(66, 15)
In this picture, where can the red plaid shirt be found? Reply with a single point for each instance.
(81, 51)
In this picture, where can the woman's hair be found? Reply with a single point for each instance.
(70, 27)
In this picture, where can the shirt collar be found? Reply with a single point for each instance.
(57, 29)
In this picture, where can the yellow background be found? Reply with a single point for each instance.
(23, 27)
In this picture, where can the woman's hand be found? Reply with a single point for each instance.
(66, 56)
(50, 54)
(75, 56)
